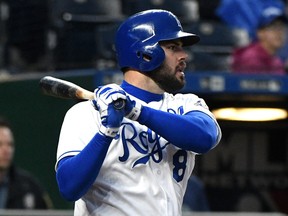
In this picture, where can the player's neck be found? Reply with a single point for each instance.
(142, 81)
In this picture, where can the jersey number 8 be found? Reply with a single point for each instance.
(179, 162)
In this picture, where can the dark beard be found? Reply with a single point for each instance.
(166, 81)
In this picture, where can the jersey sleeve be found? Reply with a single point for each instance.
(185, 121)
(71, 139)
(191, 102)
(194, 103)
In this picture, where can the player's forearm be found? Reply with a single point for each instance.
(76, 174)
(195, 131)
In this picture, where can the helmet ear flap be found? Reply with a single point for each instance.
(150, 57)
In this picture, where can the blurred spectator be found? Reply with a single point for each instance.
(195, 198)
(283, 51)
(260, 56)
(242, 14)
(18, 188)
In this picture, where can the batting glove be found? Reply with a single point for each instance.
(104, 101)
(132, 109)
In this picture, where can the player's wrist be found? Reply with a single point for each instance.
(134, 113)
(108, 131)
(132, 109)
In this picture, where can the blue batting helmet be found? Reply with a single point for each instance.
(137, 39)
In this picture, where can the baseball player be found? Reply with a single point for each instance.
(136, 160)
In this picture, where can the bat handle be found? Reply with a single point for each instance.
(119, 104)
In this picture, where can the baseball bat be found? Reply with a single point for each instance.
(59, 88)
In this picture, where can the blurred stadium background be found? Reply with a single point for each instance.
(73, 40)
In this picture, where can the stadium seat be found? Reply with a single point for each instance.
(201, 61)
(74, 24)
(105, 52)
(185, 10)
(25, 46)
(85, 11)
(216, 33)
(217, 42)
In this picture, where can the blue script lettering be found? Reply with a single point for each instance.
(180, 110)
(141, 142)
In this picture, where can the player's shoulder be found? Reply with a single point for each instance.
(81, 106)
(188, 100)
(84, 109)
(181, 97)
(82, 113)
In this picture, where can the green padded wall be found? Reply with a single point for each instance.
(36, 120)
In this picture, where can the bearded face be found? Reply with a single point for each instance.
(167, 78)
(170, 75)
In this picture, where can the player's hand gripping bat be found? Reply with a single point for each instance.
(64, 89)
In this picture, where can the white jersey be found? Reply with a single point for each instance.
(142, 174)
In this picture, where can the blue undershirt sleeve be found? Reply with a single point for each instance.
(195, 131)
(76, 174)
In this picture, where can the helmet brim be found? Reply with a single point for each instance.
(188, 39)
